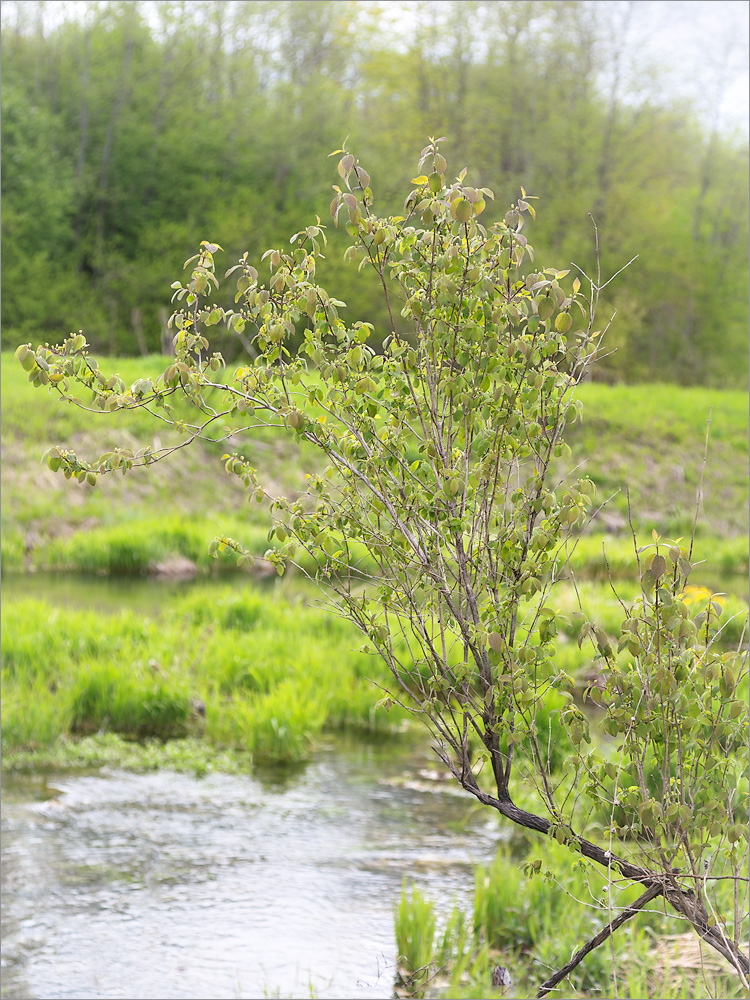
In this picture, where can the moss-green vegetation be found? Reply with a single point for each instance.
(191, 754)
(517, 921)
(228, 665)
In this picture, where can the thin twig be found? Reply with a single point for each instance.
(699, 495)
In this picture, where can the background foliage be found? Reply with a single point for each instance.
(126, 139)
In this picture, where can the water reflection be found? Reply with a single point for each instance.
(144, 594)
(164, 885)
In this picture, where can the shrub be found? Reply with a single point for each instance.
(439, 450)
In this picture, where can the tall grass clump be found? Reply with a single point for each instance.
(12, 549)
(136, 546)
(234, 666)
(278, 726)
(242, 610)
(104, 696)
(39, 640)
(33, 714)
(415, 936)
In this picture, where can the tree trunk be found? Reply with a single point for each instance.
(604, 171)
(83, 141)
(135, 316)
(167, 347)
(120, 98)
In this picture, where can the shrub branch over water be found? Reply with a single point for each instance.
(440, 450)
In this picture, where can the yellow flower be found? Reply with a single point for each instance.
(697, 594)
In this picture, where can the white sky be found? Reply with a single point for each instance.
(701, 47)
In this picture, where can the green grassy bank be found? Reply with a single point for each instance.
(273, 676)
(649, 438)
(236, 668)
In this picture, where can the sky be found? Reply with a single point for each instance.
(699, 46)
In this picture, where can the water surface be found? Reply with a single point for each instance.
(282, 884)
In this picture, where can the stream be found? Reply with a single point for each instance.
(282, 884)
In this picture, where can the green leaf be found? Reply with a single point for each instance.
(658, 566)
(496, 641)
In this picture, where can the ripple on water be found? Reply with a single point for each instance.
(165, 885)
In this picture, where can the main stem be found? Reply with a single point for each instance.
(651, 893)
(685, 901)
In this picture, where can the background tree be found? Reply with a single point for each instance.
(217, 117)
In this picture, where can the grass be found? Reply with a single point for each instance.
(532, 926)
(650, 438)
(133, 703)
(230, 666)
(415, 935)
(176, 506)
